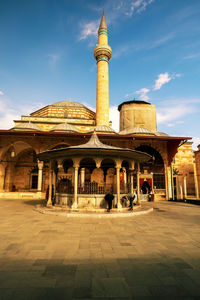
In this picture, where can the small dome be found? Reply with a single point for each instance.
(65, 127)
(27, 126)
(136, 130)
(159, 133)
(68, 104)
(103, 128)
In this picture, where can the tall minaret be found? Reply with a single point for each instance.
(102, 53)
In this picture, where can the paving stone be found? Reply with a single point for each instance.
(154, 256)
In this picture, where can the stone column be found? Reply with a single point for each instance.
(82, 178)
(169, 182)
(185, 186)
(138, 184)
(2, 176)
(40, 173)
(60, 166)
(119, 206)
(9, 176)
(75, 203)
(166, 182)
(125, 180)
(131, 181)
(49, 202)
(196, 181)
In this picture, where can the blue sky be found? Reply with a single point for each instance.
(46, 55)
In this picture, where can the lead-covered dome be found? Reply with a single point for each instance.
(102, 129)
(137, 130)
(29, 126)
(65, 127)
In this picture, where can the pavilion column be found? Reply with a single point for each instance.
(185, 186)
(49, 202)
(138, 184)
(75, 203)
(131, 181)
(82, 178)
(119, 206)
(125, 180)
(40, 173)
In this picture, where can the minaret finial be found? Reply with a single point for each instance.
(103, 22)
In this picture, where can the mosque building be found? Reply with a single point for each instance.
(66, 151)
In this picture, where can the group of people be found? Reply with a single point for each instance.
(132, 198)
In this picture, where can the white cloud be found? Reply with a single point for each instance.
(89, 29)
(1, 93)
(196, 142)
(8, 112)
(143, 94)
(168, 115)
(164, 78)
(114, 117)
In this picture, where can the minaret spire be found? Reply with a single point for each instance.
(102, 54)
(103, 22)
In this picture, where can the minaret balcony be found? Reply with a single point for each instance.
(102, 50)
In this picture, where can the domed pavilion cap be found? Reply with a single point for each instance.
(29, 126)
(102, 129)
(65, 127)
(136, 130)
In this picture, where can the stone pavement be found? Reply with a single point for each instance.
(153, 256)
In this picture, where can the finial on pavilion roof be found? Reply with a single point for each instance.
(103, 22)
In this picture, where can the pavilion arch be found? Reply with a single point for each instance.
(88, 162)
(67, 164)
(126, 163)
(107, 163)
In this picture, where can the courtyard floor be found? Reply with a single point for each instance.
(153, 256)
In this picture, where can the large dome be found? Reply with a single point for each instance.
(67, 104)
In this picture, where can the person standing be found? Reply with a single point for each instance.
(109, 198)
(131, 198)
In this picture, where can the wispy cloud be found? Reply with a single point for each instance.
(171, 114)
(138, 6)
(192, 56)
(114, 10)
(143, 94)
(53, 58)
(164, 78)
(1, 93)
(88, 29)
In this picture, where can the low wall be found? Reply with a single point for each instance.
(22, 195)
(84, 201)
